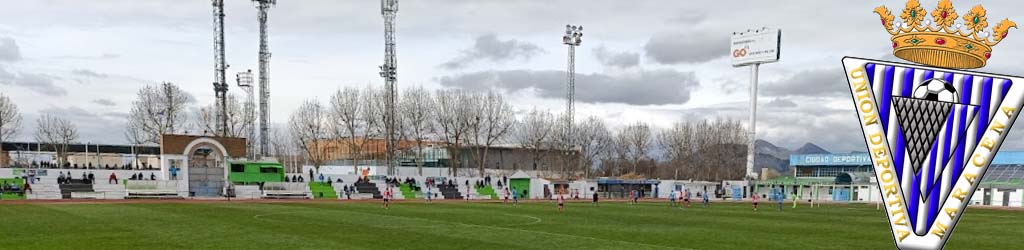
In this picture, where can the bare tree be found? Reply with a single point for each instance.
(535, 133)
(238, 126)
(417, 108)
(637, 140)
(309, 128)
(678, 145)
(595, 140)
(10, 121)
(498, 118)
(58, 133)
(157, 110)
(354, 118)
(454, 109)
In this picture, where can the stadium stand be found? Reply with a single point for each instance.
(248, 192)
(151, 189)
(450, 192)
(79, 186)
(321, 190)
(487, 192)
(406, 191)
(10, 189)
(367, 187)
(286, 190)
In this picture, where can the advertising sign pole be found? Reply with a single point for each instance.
(753, 121)
(753, 48)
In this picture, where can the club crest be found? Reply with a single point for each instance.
(931, 134)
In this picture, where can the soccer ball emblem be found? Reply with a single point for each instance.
(936, 90)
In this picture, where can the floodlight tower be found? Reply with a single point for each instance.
(220, 86)
(264, 70)
(389, 71)
(244, 80)
(573, 37)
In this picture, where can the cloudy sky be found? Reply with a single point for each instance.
(655, 61)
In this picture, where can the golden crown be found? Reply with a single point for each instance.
(942, 41)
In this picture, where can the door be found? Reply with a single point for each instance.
(206, 173)
(1006, 196)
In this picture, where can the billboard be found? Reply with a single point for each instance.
(755, 47)
(854, 159)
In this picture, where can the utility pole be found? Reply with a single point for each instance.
(220, 86)
(389, 71)
(264, 70)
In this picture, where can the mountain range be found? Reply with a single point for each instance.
(777, 158)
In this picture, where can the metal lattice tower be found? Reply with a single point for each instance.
(264, 70)
(573, 37)
(244, 80)
(220, 86)
(389, 71)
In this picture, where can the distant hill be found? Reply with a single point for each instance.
(775, 157)
(771, 156)
(810, 148)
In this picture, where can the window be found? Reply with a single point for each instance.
(269, 170)
(237, 168)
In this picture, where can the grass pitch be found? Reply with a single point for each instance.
(461, 225)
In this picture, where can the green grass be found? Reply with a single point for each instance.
(322, 191)
(461, 225)
(406, 190)
(488, 191)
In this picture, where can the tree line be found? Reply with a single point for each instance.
(464, 122)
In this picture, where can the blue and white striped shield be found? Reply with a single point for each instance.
(931, 133)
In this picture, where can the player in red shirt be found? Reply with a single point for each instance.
(387, 197)
(756, 199)
(561, 202)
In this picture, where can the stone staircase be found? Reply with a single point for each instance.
(369, 188)
(450, 192)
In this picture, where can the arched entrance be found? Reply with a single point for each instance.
(206, 170)
(200, 161)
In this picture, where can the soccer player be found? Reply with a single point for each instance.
(672, 199)
(430, 195)
(505, 193)
(515, 197)
(686, 197)
(561, 202)
(780, 197)
(636, 197)
(595, 199)
(707, 199)
(756, 198)
(387, 197)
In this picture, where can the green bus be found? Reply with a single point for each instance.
(252, 172)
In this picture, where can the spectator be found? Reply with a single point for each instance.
(60, 178)
(295, 178)
(92, 178)
(152, 176)
(113, 179)
(27, 189)
(174, 173)
(321, 178)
